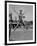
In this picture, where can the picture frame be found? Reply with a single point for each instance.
(7, 3)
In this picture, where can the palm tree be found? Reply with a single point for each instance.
(20, 15)
(20, 20)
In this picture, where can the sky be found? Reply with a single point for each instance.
(27, 10)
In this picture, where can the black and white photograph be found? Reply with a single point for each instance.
(20, 23)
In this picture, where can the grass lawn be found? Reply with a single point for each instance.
(21, 34)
